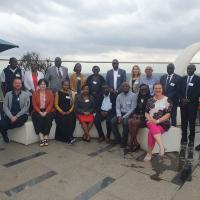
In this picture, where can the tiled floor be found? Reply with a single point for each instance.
(95, 171)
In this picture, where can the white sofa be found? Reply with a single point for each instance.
(26, 135)
(171, 139)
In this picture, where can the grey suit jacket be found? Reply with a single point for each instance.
(53, 78)
(24, 102)
(110, 78)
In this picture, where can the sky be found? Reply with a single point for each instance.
(97, 30)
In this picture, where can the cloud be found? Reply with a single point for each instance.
(82, 27)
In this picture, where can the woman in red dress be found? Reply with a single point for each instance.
(84, 108)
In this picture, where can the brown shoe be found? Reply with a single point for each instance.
(101, 139)
(108, 141)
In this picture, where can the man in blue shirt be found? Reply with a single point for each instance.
(149, 79)
(125, 104)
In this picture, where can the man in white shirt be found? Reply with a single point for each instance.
(105, 111)
(8, 74)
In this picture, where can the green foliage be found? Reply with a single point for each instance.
(33, 57)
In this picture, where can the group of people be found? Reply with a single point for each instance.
(143, 101)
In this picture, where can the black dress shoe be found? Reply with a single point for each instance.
(5, 138)
(197, 148)
(136, 147)
(123, 146)
(184, 142)
(191, 144)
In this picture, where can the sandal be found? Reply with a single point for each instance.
(161, 153)
(41, 143)
(84, 138)
(147, 157)
(88, 139)
(46, 142)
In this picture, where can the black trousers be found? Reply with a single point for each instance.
(174, 114)
(97, 122)
(31, 105)
(188, 115)
(6, 124)
(65, 126)
(42, 124)
(114, 124)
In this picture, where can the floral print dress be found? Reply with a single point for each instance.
(158, 108)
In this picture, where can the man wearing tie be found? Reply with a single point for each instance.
(116, 76)
(189, 88)
(170, 82)
(56, 75)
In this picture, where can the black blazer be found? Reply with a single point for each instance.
(110, 78)
(113, 97)
(172, 89)
(193, 90)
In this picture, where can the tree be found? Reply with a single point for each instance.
(30, 57)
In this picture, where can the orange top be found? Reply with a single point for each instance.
(73, 81)
(49, 102)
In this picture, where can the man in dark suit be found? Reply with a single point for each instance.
(189, 99)
(170, 83)
(116, 76)
(106, 110)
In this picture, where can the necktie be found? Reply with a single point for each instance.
(187, 86)
(167, 82)
(59, 73)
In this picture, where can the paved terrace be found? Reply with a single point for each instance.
(95, 171)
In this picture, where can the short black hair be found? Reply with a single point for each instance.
(12, 59)
(65, 82)
(85, 85)
(76, 66)
(17, 78)
(43, 80)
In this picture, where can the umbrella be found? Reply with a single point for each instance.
(4, 45)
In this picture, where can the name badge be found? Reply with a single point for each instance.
(128, 103)
(68, 97)
(18, 99)
(172, 84)
(150, 86)
(136, 82)
(17, 75)
(118, 75)
(191, 84)
(87, 100)
(94, 82)
(79, 78)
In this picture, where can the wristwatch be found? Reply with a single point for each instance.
(157, 121)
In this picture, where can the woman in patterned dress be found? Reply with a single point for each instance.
(157, 115)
